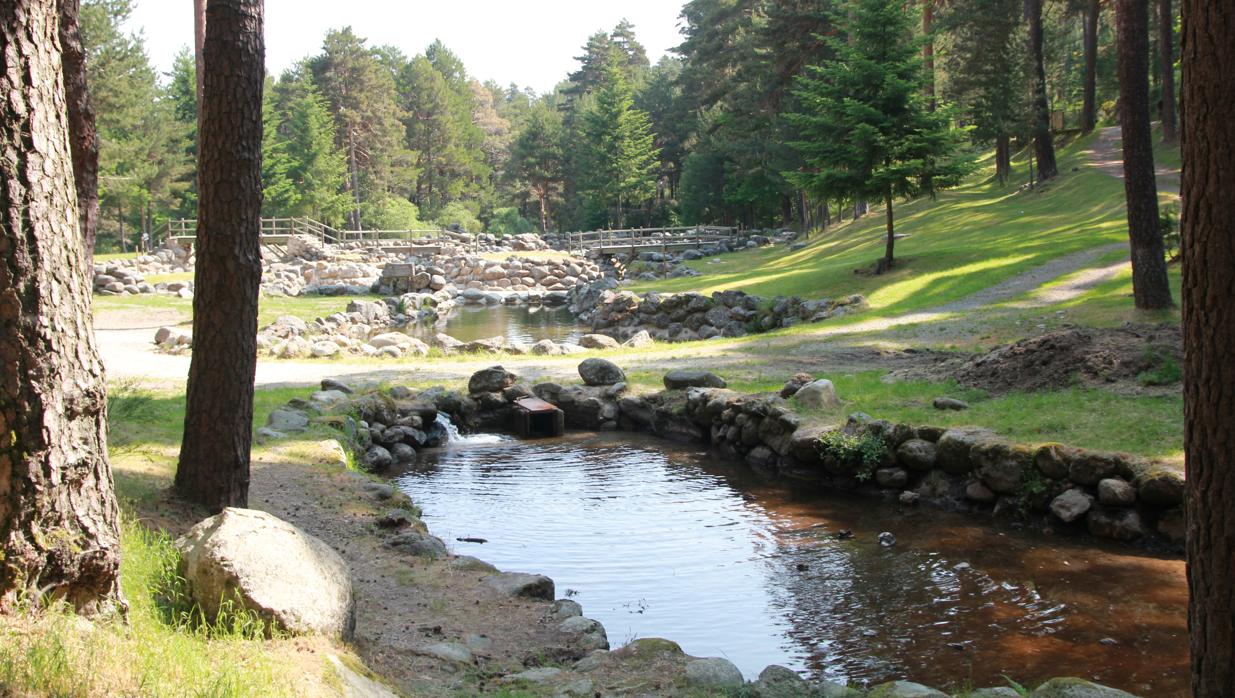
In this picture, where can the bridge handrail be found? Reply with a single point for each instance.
(185, 229)
(676, 235)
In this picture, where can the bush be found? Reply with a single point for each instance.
(458, 216)
(391, 213)
(507, 221)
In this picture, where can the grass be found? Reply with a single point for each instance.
(1088, 418)
(269, 307)
(164, 648)
(967, 240)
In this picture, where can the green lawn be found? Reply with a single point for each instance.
(269, 307)
(968, 239)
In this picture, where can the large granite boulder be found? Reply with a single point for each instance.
(494, 379)
(681, 379)
(270, 567)
(601, 372)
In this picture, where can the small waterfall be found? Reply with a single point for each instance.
(454, 438)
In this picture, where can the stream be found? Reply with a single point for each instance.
(656, 539)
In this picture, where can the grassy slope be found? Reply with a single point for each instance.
(969, 239)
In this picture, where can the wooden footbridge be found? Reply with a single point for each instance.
(635, 240)
(277, 231)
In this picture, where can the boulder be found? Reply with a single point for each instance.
(904, 689)
(377, 459)
(601, 372)
(587, 633)
(340, 386)
(418, 543)
(598, 341)
(917, 454)
(781, 682)
(1115, 523)
(491, 380)
(288, 421)
(1115, 492)
(270, 567)
(520, 584)
(714, 674)
(546, 347)
(681, 379)
(1001, 466)
(817, 395)
(1163, 489)
(640, 339)
(954, 447)
(1068, 687)
(1071, 505)
(948, 403)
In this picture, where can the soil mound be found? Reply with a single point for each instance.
(1124, 358)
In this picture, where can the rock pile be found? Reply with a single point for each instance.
(691, 316)
(514, 275)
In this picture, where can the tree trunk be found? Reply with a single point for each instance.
(1208, 135)
(886, 264)
(1003, 158)
(1089, 108)
(199, 46)
(544, 212)
(83, 135)
(928, 50)
(1166, 64)
(1150, 287)
(1043, 145)
(218, 423)
(59, 522)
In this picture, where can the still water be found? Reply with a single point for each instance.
(519, 323)
(663, 540)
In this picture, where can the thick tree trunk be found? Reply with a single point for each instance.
(1166, 64)
(83, 135)
(59, 522)
(1043, 145)
(1089, 103)
(218, 424)
(1150, 287)
(928, 50)
(1208, 135)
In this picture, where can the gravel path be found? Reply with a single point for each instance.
(1107, 156)
(129, 354)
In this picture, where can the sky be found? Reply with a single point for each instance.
(528, 42)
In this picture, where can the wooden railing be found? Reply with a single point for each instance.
(278, 230)
(650, 238)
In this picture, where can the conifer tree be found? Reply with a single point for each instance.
(303, 171)
(866, 126)
(622, 158)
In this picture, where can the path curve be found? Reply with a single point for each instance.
(129, 353)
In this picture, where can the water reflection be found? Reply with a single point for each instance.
(670, 541)
(521, 323)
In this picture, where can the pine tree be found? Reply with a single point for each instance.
(622, 156)
(867, 129)
(989, 76)
(303, 171)
(537, 158)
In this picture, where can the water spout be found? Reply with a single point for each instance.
(454, 438)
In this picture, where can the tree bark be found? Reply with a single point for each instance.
(59, 522)
(1208, 140)
(83, 134)
(1003, 158)
(1150, 288)
(1166, 64)
(1089, 105)
(1043, 144)
(214, 455)
(886, 264)
(199, 46)
(928, 50)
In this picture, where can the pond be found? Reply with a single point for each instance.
(520, 323)
(663, 540)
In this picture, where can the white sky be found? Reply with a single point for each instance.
(529, 42)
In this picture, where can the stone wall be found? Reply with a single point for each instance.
(685, 317)
(972, 469)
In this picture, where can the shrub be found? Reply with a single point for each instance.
(391, 213)
(865, 451)
(507, 221)
(459, 216)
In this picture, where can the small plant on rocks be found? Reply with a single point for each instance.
(866, 450)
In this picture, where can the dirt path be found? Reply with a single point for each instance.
(1107, 156)
(129, 353)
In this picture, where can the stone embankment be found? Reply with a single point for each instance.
(692, 316)
(912, 463)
